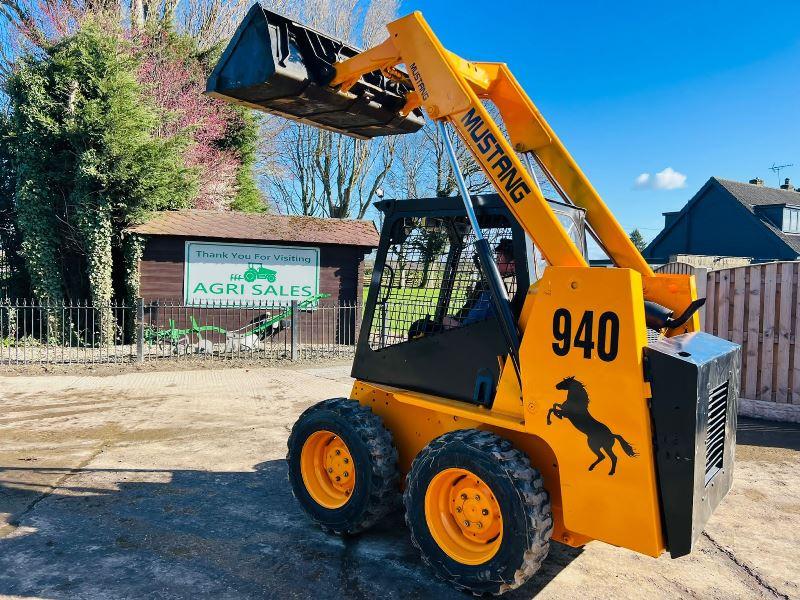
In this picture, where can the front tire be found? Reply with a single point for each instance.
(477, 511)
(343, 466)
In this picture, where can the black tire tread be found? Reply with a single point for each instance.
(384, 496)
(528, 482)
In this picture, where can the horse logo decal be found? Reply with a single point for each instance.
(598, 435)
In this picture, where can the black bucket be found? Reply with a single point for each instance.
(281, 67)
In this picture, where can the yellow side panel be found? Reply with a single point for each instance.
(415, 419)
(412, 426)
(602, 308)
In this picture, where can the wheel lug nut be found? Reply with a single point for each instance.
(338, 452)
(330, 469)
(346, 460)
(458, 509)
(479, 525)
(485, 512)
(346, 474)
(463, 496)
(477, 497)
(338, 478)
(466, 523)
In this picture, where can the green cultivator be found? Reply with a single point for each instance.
(246, 338)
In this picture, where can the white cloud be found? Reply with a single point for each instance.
(668, 179)
(642, 181)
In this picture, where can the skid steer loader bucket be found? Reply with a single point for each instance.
(281, 67)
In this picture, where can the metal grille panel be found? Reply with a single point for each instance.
(715, 430)
(431, 279)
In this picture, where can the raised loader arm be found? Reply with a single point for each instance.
(451, 88)
(312, 78)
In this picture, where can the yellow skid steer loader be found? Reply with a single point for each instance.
(511, 392)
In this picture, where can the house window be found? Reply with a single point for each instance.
(791, 220)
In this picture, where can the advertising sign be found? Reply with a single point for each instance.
(245, 274)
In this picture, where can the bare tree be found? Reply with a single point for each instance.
(32, 24)
(378, 14)
(405, 179)
(317, 172)
(423, 168)
(210, 22)
(290, 173)
(27, 24)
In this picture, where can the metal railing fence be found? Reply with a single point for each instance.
(33, 332)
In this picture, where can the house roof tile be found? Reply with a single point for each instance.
(751, 195)
(759, 195)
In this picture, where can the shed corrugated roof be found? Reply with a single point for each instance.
(197, 223)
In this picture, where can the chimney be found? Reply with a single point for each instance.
(757, 181)
(787, 184)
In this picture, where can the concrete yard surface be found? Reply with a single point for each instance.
(173, 485)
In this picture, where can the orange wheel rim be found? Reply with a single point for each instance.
(327, 469)
(463, 516)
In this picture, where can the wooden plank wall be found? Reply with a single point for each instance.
(757, 306)
(341, 275)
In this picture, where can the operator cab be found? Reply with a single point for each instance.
(428, 306)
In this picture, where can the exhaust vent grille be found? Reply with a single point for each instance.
(715, 431)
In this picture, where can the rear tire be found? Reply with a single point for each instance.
(343, 433)
(498, 481)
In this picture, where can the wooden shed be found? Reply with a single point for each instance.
(202, 258)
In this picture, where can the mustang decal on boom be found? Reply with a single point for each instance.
(501, 164)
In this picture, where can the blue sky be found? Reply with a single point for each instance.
(706, 88)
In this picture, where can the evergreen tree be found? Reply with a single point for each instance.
(638, 239)
(88, 162)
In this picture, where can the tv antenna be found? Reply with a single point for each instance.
(777, 170)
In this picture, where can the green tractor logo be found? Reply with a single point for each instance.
(259, 271)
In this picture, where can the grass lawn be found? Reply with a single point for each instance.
(407, 305)
(422, 295)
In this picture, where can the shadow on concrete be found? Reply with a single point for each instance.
(107, 533)
(769, 434)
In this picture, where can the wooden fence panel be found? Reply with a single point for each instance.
(724, 301)
(751, 353)
(739, 301)
(738, 328)
(766, 386)
(795, 394)
(784, 332)
(701, 280)
(758, 307)
(711, 303)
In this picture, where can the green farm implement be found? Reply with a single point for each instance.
(182, 340)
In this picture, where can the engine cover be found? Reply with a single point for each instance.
(694, 378)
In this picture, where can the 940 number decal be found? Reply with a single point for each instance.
(601, 335)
